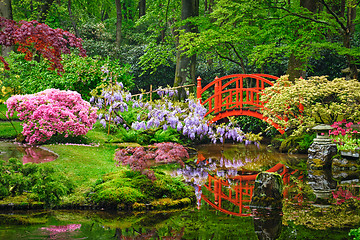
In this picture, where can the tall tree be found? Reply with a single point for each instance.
(257, 33)
(185, 64)
(142, 8)
(44, 9)
(72, 19)
(6, 12)
(118, 22)
(297, 63)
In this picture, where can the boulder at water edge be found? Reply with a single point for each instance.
(267, 191)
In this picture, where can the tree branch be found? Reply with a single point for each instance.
(227, 58)
(238, 56)
(335, 16)
(302, 16)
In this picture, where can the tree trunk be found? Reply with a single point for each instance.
(185, 65)
(73, 20)
(118, 22)
(295, 68)
(44, 10)
(350, 25)
(142, 8)
(296, 65)
(6, 12)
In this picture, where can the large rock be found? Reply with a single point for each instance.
(320, 155)
(267, 191)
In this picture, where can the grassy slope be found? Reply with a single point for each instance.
(84, 165)
(7, 130)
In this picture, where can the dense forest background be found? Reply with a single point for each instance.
(172, 42)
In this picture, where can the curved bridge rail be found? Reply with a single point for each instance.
(235, 200)
(235, 95)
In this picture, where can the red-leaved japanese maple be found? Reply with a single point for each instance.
(34, 37)
(142, 158)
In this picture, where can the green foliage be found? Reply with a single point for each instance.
(298, 144)
(42, 181)
(255, 125)
(81, 74)
(169, 135)
(355, 233)
(293, 144)
(128, 187)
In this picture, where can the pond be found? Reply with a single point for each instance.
(223, 177)
(28, 154)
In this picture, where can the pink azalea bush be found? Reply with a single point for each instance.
(344, 135)
(52, 111)
(341, 195)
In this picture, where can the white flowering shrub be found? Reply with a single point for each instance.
(307, 102)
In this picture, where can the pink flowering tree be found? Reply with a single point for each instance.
(51, 112)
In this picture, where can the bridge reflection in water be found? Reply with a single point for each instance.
(227, 187)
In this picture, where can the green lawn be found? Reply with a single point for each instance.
(3, 110)
(84, 165)
(7, 130)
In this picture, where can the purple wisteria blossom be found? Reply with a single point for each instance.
(188, 118)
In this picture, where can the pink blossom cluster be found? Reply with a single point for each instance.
(343, 128)
(50, 112)
(343, 194)
(63, 228)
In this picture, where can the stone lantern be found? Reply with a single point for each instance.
(322, 134)
(319, 164)
(322, 149)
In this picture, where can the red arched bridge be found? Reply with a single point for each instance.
(236, 95)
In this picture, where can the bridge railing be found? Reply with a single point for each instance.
(235, 91)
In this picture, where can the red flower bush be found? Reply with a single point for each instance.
(49, 43)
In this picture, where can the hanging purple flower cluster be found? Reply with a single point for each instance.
(188, 117)
(111, 102)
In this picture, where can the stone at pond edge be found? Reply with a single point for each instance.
(267, 191)
(320, 155)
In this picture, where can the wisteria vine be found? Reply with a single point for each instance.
(188, 117)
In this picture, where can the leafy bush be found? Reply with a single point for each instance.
(82, 74)
(34, 37)
(356, 233)
(42, 181)
(301, 105)
(50, 112)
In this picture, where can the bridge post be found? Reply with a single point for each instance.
(198, 89)
(217, 94)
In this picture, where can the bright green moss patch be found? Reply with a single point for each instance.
(128, 187)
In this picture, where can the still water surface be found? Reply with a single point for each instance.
(222, 211)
